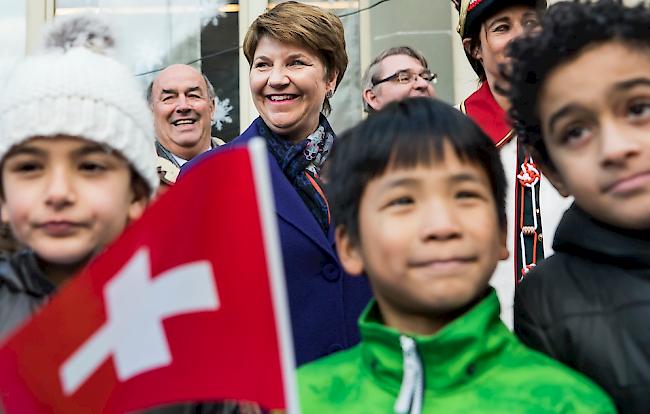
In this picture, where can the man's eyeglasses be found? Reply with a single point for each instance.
(405, 77)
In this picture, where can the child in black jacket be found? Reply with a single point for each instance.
(580, 91)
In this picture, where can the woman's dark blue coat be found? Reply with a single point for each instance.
(324, 301)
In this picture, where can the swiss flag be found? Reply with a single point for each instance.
(188, 305)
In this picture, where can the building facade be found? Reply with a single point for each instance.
(208, 33)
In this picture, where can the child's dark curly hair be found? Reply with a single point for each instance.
(568, 29)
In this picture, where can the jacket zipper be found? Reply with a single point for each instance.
(409, 400)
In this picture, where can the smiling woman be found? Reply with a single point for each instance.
(289, 85)
(297, 58)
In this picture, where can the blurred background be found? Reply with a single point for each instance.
(207, 33)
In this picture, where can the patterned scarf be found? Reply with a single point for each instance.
(301, 164)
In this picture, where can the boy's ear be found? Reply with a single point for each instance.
(137, 208)
(503, 244)
(348, 251)
(140, 201)
(4, 216)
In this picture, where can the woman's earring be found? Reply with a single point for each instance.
(329, 94)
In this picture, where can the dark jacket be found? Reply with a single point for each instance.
(589, 307)
(23, 289)
(324, 301)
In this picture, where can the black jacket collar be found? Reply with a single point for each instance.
(580, 234)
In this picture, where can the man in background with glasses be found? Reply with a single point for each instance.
(395, 74)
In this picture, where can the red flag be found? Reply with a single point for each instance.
(188, 305)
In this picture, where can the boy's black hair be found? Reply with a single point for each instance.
(403, 135)
(568, 29)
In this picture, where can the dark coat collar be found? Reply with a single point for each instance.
(288, 204)
(580, 234)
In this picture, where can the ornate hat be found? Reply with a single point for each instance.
(473, 12)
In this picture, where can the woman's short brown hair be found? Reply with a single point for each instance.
(308, 26)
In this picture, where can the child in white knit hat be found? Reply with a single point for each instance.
(77, 162)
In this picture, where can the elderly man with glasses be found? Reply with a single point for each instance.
(395, 74)
(182, 101)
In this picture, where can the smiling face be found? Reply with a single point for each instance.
(182, 111)
(595, 117)
(67, 198)
(497, 32)
(380, 95)
(429, 240)
(288, 84)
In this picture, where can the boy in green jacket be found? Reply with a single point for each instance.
(418, 195)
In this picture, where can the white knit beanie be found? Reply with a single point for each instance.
(73, 89)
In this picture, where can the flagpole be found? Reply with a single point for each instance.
(266, 203)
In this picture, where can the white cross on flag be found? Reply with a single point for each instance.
(188, 305)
